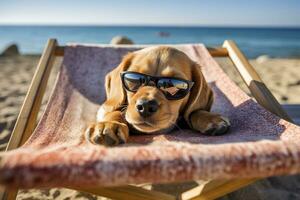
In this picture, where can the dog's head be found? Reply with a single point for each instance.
(150, 107)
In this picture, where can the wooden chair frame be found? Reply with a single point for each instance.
(27, 121)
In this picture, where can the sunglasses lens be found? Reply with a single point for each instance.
(133, 81)
(173, 88)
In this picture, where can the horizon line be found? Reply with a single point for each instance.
(153, 25)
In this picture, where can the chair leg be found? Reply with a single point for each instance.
(215, 190)
(128, 192)
(2, 193)
(8, 194)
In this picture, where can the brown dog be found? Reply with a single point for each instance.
(151, 100)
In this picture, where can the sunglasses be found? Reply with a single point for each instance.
(172, 88)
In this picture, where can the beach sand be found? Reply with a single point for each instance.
(282, 76)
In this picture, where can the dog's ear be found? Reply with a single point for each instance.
(115, 94)
(201, 95)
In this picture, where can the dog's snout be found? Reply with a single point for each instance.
(146, 107)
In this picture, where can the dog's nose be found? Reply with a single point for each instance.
(146, 107)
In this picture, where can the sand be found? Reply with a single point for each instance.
(282, 76)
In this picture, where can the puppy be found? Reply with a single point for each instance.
(149, 91)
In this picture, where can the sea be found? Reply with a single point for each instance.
(253, 41)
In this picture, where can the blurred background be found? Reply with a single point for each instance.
(268, 32)
(269, 27)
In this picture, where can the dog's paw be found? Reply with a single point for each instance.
(218, 126)
(108, 133)
(210, 123)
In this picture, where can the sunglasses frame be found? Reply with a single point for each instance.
(155, 79)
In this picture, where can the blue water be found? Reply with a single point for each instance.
(275, 42)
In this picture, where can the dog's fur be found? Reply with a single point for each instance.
(119, 110)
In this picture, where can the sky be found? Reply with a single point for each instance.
(151, 12)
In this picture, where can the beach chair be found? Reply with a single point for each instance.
(262, 142)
